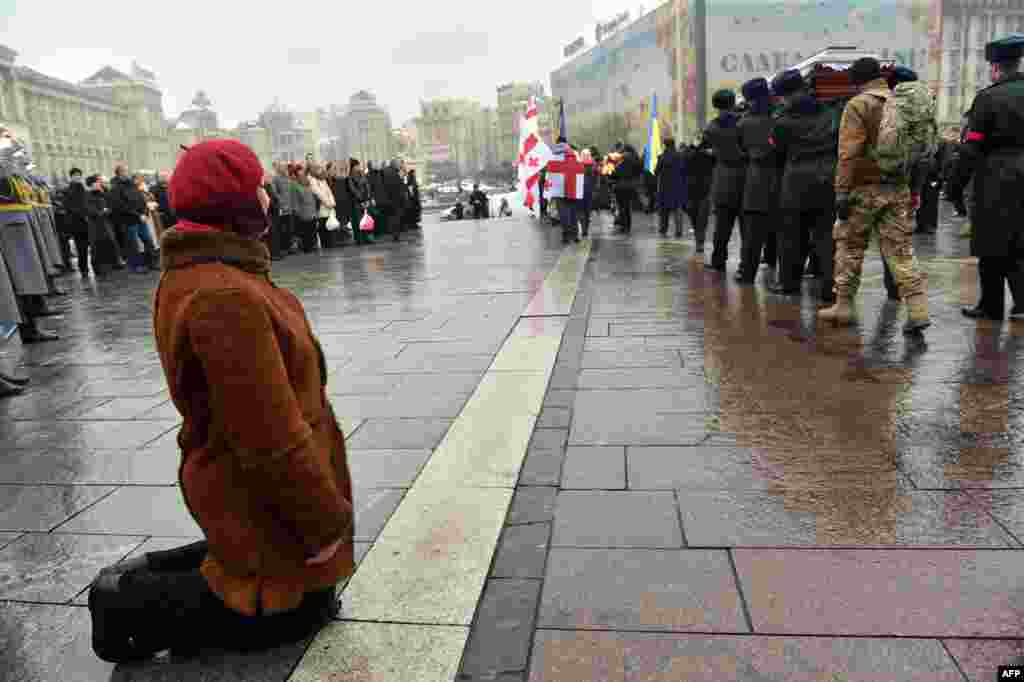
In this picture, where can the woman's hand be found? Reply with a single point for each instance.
(325, 554)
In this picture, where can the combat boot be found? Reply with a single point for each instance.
(917, 318)
(841, 313)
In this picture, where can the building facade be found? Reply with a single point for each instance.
(364, 128)
(108, 118)
(459, 134)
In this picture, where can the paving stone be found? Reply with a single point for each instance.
(399, 434)
(639, 378)
(54, 568)
(952, 466)
(633, 657)
(362, 384)
(708, 467)
(137, 510)
(559, 398)
(502, 632)
(594, 468)
(399, 405)
(372, 510)
(640, 417)
(542, 467)
(837, 515)
(942, 593)
(554, 418)
(981, 658)
(119, 409)
(382, 652)
(522, 552)
(139, 467)
(50, 435)
(629, 358)
(385, 468)
(640, 589)
(549, 439)
(47, 642)
(480, 451)
(507, 394)
(532, 505)
(7, 538)
(43, 508)
(616, 520)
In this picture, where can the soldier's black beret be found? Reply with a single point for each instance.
(757, 88)
(787, 82)
(1006, 49)
(723, 100)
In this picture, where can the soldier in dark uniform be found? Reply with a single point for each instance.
(729, 176)
(993, 154)
(700, 165)
(806, 138)
(761, 193)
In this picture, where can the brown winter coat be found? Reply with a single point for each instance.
(858, 135)
(263, 470)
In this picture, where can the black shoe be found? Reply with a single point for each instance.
(35, 335)
(980, 314)
(111, 619)
(1017, 313)
(913, 327)
(741, 278)
(700, 250)
(679, 235)
(17, 381)
(8, 389)
(716, 268)
(784, 290)
(663, 233)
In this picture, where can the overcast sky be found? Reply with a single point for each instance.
(310, 53)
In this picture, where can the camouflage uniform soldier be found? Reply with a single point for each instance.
(866, 201)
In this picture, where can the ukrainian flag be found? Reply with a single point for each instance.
(653, 149)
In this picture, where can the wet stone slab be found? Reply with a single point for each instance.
(522, 551)
(942, 593)
(616, 520)
(137, 510)
(629, 657)
(980, 658)
(43, 508)
(399, 434)
(641, 589)
(594, 468)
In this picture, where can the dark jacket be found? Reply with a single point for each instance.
(589, 185)
(127, 203)
(393, 190)
(700, 166)
(263, 471)
(376, 184)
(358, 191)
(163, 198)
(993, 155)
(729, 177)
(415, 203)
(98, 217)
(806, 137)
(671, 175)
(342, 198)
(764, 170)
(75, 209)
(628, 175)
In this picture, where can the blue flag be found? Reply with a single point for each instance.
(653, 149)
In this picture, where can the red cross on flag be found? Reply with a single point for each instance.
(534, 154)
(565, 176)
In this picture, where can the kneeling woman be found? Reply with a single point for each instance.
(264, 471)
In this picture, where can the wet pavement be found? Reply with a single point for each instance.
(608, 463)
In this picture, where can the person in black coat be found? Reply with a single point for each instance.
(729, 177)
(627, 179)
(761, 191)
(806, 137)
(590, 178)
(671, 175)
(993, 155)
(415, 213)
(162, 194)
(700, 165)
(77, 218)
(359, 195)
(393, 198)
(102, 242)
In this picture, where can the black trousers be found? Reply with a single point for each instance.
(699, 211)
(758, 230)
(994, 274)
(168, 605)
(802, 232)
(928, 212)
(326, 236)
(725, 220)
(771, 244)
(624, 200)
(83, 251)
(306, 230)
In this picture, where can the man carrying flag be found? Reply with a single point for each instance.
(652, 152)
(534, 155)
(566, 181)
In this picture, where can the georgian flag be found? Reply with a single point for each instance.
(565, 174)
(534, 154)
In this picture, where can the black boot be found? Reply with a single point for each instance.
(30, 333)
(8, 389)
(17, 381)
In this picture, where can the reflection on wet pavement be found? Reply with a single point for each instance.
(718, 487)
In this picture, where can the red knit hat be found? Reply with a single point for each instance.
(215, 184)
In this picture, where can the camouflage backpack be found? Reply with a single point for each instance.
(908, 134)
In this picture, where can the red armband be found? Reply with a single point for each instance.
(975, 137)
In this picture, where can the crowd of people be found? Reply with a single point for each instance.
(810, 181)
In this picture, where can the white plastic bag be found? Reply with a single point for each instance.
(332, 222)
